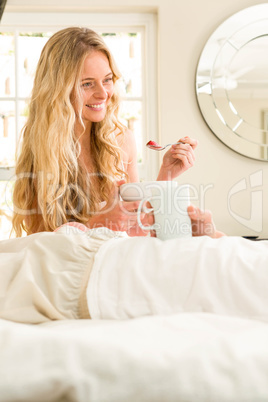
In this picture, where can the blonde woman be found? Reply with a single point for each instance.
(74, 150)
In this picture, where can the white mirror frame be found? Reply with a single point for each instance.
(219, 83)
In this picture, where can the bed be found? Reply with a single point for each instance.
(182, 357)
(168, 355)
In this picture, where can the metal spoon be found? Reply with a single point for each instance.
(157, 147)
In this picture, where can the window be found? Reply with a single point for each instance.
(132, 40)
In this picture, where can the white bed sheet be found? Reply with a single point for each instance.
(182, 357)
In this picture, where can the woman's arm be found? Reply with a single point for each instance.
(202, 223)
(132, 170)
(178, 159)
(121, 215)
(130, 156)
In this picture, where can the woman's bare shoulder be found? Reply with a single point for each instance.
(126, 140)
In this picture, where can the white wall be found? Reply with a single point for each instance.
(184, 27)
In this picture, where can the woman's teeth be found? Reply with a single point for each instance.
(100, 106)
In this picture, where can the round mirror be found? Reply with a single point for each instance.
(232, 82)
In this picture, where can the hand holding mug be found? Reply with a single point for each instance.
(169, 203)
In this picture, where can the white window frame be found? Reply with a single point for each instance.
(146, 23)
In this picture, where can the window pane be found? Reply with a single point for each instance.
(29, 49)
(126, 49)
(5, 208)
(131, 116)
(7, 133)
(7, 65)
(23, 113)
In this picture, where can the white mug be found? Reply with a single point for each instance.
(169, 203)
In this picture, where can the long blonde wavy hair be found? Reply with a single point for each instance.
(50, 180)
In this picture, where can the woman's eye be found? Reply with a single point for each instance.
(108, 81)
(87, 85)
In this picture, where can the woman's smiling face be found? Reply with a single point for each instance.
(97, 87)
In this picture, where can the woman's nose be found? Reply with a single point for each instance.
(100, 91)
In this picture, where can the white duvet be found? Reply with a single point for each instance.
(182, 321)
(136, 277)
